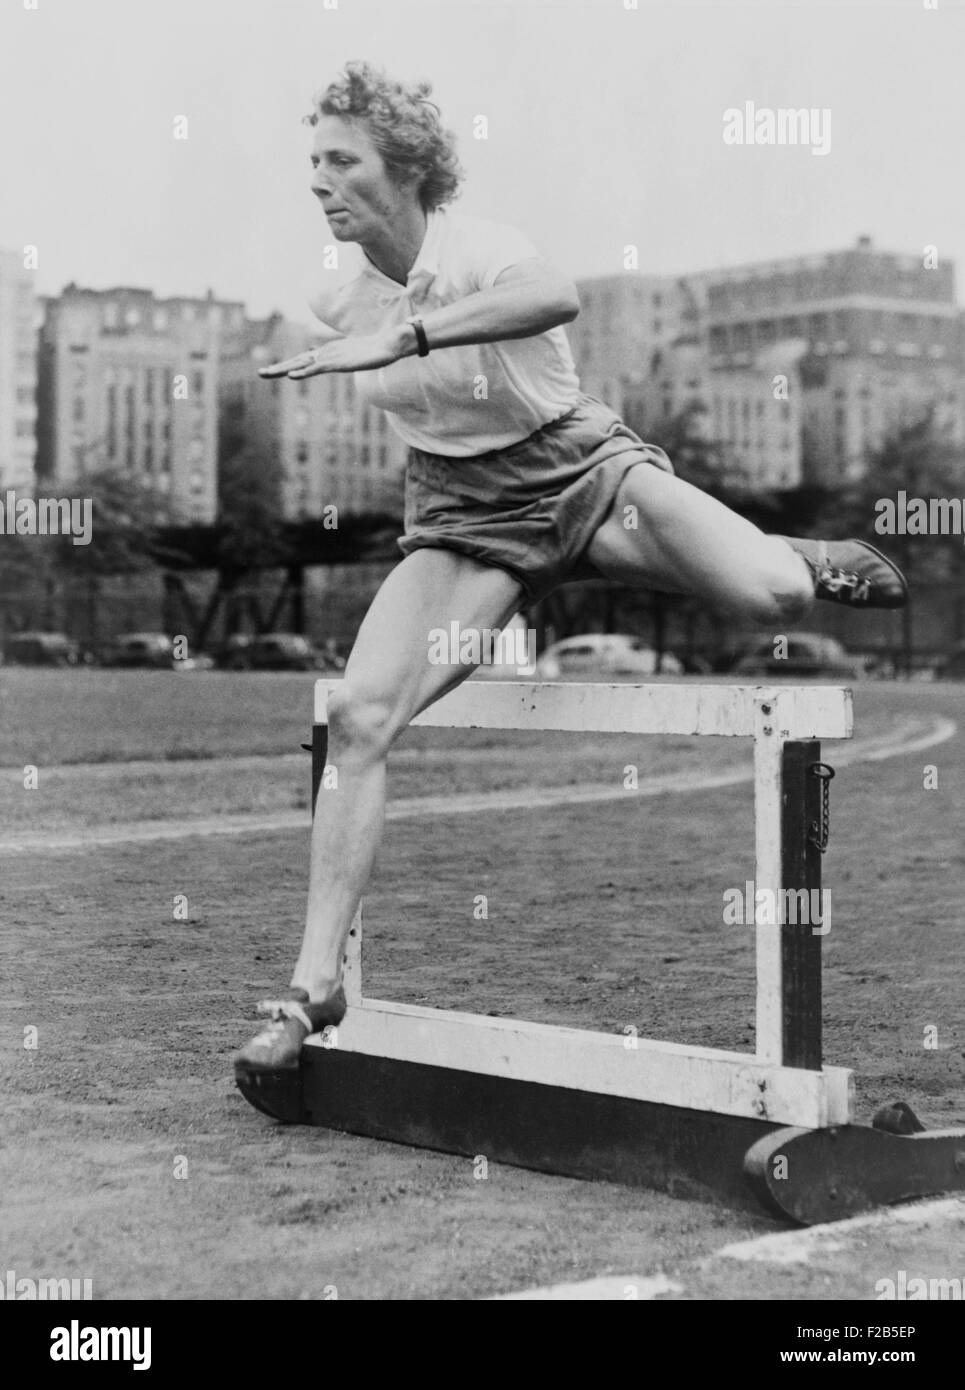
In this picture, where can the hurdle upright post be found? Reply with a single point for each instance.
(801, 941)
(787, 862)
(352, 959)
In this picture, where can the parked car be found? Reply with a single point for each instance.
(233, 652)
(807, 654)
(42, 649)
(151, 650)
(601, 654)
(274, 651)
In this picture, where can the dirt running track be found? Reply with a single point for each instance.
(599, 916)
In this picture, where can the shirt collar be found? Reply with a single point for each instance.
(426, 264)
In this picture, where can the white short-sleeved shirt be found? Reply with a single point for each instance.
(459, 400)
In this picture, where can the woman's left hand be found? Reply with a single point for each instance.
(344, 355)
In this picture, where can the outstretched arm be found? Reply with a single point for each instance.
(528, 298)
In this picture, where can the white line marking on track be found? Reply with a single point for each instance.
(910, 737)
(623, 1287)
(795, 1247)
(798, 1246)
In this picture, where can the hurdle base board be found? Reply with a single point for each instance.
(664, 1073)
(525, 1124)
(827, 1175)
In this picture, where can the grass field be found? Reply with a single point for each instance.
(599, 916)
(114, 716)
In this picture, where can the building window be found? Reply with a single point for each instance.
(197, 383)
(301, 452)
(112, 420)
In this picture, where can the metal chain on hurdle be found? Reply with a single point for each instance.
(819, 831)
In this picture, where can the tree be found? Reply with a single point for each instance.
(250, 516)
(919, 459)
(124, 513)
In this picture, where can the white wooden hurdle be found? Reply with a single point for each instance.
(574, 1101)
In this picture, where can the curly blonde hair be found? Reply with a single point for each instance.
(403, 125)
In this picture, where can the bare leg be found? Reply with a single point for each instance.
(688, 542)
(388, 680)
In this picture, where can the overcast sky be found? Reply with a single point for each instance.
(605, 127)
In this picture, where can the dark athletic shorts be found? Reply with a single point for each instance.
(533, 508)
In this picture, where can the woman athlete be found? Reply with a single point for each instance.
(516, 481)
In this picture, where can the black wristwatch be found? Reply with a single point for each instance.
(422, 342)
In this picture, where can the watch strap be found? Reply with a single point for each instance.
(422, 342)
